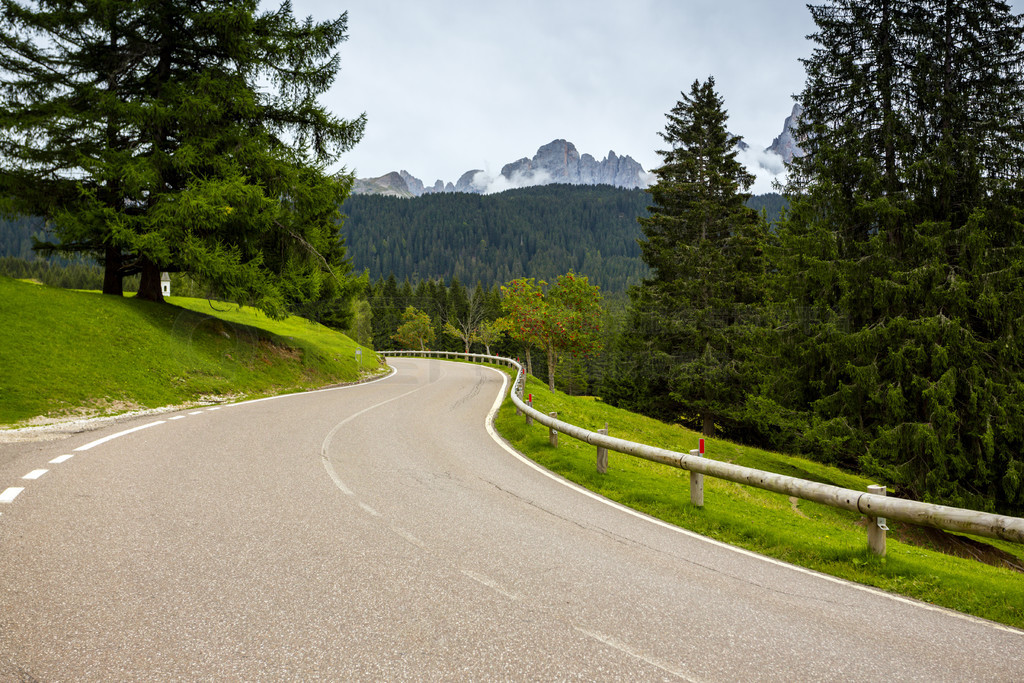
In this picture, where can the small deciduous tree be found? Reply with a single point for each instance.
(521, 301)
(489, 333)
(463, 322)
(362, 322)
(415, 330)
(566, 318)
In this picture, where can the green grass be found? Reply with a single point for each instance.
(808, 534)
(65, 352)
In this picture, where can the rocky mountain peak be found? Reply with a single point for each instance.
(785, 145)
(560, 162)
(392, 184)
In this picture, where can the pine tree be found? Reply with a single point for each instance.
(179, 136)
(705, 251)
(904, 242)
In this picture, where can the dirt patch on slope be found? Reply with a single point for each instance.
(958, 546)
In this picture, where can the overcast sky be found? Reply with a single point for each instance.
(452, 86)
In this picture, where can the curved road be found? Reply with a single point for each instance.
(378, 532)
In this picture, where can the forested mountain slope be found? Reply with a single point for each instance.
(16, 235)
(541, 231)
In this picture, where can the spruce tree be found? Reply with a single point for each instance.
(691, 320)
(903, 250)
(179, 136)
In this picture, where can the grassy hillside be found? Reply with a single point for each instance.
(65, 352)
(801, 532)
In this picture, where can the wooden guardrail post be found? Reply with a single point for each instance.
(552, 432)
(697, 483)
(519, 392)
(602, 453)
(529, 402)
(877, 526)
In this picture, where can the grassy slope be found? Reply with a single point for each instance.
(808, 534)
(63, 352)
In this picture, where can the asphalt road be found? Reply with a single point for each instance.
(378, 532)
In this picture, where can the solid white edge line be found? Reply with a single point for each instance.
(742, 551)
(314, 391)
(111, 437)
(10, 493)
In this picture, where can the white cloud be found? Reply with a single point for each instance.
(767, 167)
(488, 184)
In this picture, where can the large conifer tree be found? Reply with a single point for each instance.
(903, 250)
(691, 331)
(181, 136)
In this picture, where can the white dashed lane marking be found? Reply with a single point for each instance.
(179, 417)
(10, 494)
(490, 583)
(61, 458)
(35, 474)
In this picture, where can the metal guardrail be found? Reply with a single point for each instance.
(875, 505)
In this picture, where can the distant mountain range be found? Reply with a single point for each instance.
(558, 162)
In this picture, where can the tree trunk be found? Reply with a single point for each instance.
(149, 282)
(529, 362)
(113, 281)
(709, 425)
(551, 368)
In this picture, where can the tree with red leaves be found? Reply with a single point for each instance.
(564, 319)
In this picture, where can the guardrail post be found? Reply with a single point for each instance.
(696, 483)
(602, 453)
(529, 402)
(877, 526)
(553, 433)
